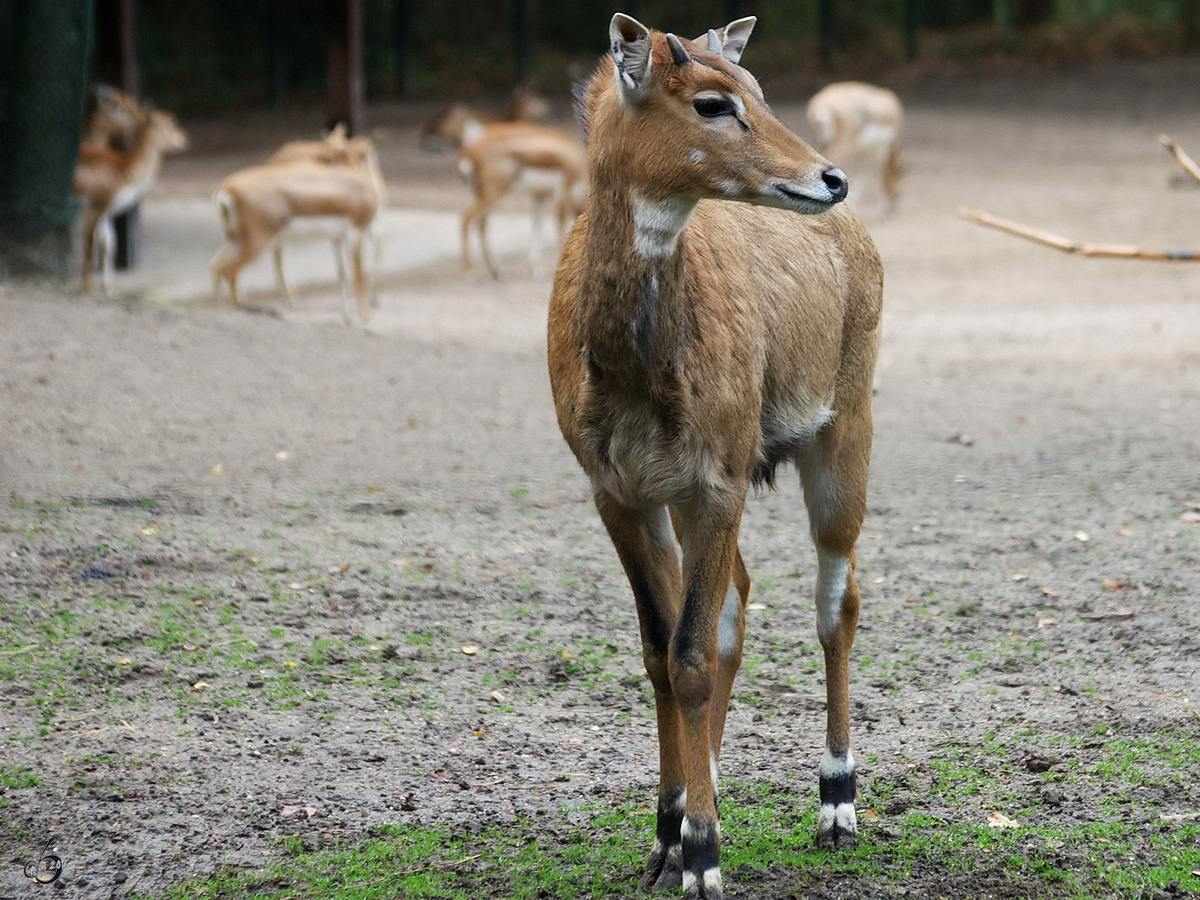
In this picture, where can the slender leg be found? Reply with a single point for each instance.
(339, 256)
(647, 549)
(709, 537)
(483, 245)
(90, 222)
(108, 253)
(280, 277)
(834, 474)
(731, 634)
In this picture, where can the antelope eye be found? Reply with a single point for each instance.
(711, 107)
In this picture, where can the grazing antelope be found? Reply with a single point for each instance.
(694, 345)
(333, 149)
(860, 124)
(110, 182)
(450, 127)
(507, 157)
(258, 203)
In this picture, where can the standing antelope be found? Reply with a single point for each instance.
(694, 345)
(110, 182)
(448, 128)
(333, 149)
(856, 123)
(258, 203)
(548, 164)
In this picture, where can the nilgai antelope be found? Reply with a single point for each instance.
(507, 157)
(258, 203)
(857, 124)
(695, 345)
(110, 182)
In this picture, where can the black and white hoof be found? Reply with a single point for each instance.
(837, 825)
(702, 871)
(664, 869)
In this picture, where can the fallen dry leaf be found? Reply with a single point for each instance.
(1038, 764)
(755, 606)
(1125, 532)
(1000, 820)
(1111, 585)
(1043, 623)
(1121, 612)
(496, 696)
(1191, 517)
(1049, 592)
(470, 649)
(199, 685)
(218, 469)
(125, 662)
(1082, 536)
(301, 812)
(870, 815)
(337, 570)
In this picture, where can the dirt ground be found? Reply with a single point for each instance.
(201, 506)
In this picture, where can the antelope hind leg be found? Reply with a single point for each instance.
(834, 474)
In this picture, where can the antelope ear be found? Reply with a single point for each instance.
(630, 42)
(733, 38)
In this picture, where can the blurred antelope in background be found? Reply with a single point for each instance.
(451, 127)
(257, 205)
(516, 157)
(110, 182)
(113, 121)
(859, 126)
(333, 149)
(694, 345)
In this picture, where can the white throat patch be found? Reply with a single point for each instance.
(657, 226)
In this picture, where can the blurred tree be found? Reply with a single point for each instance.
(43, 68)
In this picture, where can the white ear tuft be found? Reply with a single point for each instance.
(630, 43)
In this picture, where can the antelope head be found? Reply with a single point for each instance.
(687, 122)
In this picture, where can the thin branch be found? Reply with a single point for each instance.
(1119, 251)
(1184, 160)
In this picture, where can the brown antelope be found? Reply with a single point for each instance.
(114, 121)
(110, 182)
(258, 203)
(860, 124)
(695, 344)
(548, 164)
(449, 127)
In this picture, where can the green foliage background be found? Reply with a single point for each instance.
(208, 54)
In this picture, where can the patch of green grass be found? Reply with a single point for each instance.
(767, 845)
(17, 777)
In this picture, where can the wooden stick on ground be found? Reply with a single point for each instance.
(1120, 251)
(1184, 160)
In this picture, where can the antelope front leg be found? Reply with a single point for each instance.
(646, 546)
(696, 661)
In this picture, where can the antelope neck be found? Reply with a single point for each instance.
(658, 224)
(637, 259)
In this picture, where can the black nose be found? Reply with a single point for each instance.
(835, 180)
